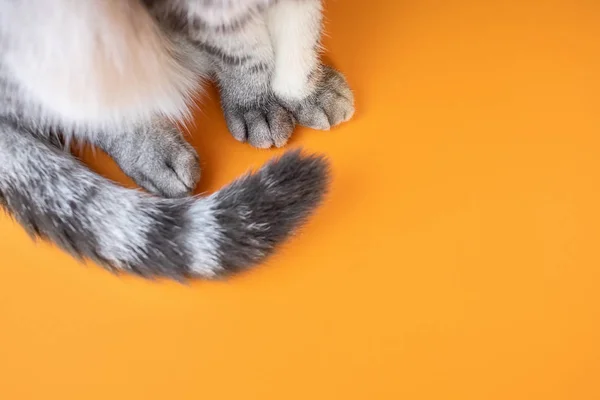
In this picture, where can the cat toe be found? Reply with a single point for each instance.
(329, 105)
(263, 126)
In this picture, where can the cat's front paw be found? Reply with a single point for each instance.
(159, 160)
(330, 104)
(263, 125)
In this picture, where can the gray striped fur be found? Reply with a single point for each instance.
(166, 232)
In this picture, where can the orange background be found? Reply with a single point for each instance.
(457, 256)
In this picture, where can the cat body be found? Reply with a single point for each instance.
(120, 74)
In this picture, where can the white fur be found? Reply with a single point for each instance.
(203, 238)
(295, 28)
(93, 63)
(120, 228)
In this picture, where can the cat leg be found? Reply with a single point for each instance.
(318, 95)
(235, 37)
(244, 65)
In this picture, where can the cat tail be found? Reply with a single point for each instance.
(57, 198)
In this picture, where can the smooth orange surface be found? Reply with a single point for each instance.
(457, 256)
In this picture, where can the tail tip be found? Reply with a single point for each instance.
(259, 211)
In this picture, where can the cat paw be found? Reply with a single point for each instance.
(331, 103)
(163, 163)
(263, 125)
